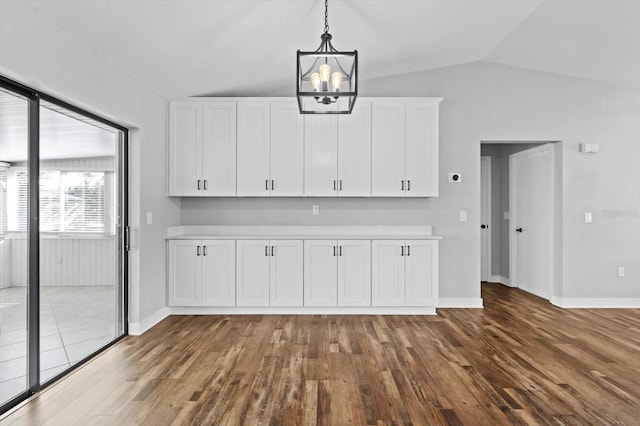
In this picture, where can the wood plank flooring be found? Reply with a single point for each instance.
(518, 361)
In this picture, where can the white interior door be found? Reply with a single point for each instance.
(531, 201)
(485, 213)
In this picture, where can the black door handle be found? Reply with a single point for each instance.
(518, 229)
(484, 226)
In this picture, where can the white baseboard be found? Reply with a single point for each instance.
(460, 302)
(500, 279)
(306, 310)
(585, 302)
(137, 328)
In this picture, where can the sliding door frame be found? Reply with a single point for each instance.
(33, 281)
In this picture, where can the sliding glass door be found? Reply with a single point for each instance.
(62, 254)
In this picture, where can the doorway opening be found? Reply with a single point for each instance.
(520, 215)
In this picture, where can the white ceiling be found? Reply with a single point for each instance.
(247, 47)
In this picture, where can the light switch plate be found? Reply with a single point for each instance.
(463, 215)
(588, 217)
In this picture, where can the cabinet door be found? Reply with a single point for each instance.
(422, 272)
(286, 273)
(253, 149)
(387, 280)
(252, 273)
(218, 273)
(287, 150)
(354, 152)
(388, 149)
(321, 155)
(320, 273)
(354, 273)
(422, 149)
(219, 149)
(185, 273)
(185, 148)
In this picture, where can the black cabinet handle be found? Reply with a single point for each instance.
(484, 226)
(266, 185)
(402, 188)
(408, 250)
(334, 250)
(401, 250)
(334, 185)
(204, 184)
(198, 251)
(198, 184)
(518, 229)
(204, 250)
(340, 184)
(408, 185)
(271, 250)
(273, 185)
(340, 254)
(266, 250)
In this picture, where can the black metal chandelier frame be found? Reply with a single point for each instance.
(325, 53)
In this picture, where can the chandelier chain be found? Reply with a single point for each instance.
(326, 16)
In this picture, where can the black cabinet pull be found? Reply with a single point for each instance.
(334, 250)
(198, 251)
(266, 250)
(334, 184)
(408, 250)
(204, 184)
(401, 250)
(408, 185)
(204, 250)
(273, 185)
(271, 250)
(266, 185)
(402, 188)
(198, 184)
(340, 251)
(340, 184)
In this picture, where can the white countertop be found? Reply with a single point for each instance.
(301, 233)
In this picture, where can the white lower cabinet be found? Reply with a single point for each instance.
(337, 273)
(269, 273)
(405, 273)
(202, 273)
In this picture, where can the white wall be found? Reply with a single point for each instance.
(489, 102)
(39, 53)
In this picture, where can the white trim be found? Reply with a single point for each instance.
(304, 310)
(138, 328)
(500, 280)
(460, 302)
(489, 229)
(595, 303)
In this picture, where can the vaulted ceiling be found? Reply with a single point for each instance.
(247, 47)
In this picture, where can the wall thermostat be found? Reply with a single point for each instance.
(455, 177)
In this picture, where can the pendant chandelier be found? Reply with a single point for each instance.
(327, 81)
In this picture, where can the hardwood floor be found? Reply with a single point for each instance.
(518, 361)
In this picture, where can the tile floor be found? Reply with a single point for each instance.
(74, 322)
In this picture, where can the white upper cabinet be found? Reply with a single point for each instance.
(354, 152)
(185, 148)
(321, 155)
(422, 149)
(405, 148)
(202, 145)
(338, 154)
(287, 150)
(265, 147)
(254, 132)
(219, 149)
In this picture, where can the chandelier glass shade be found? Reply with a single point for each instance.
(327, 79)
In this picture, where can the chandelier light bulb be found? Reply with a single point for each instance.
(336, 79)
(315, 81)
(325, 72)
